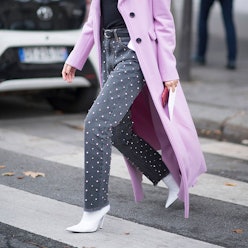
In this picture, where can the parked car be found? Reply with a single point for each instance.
(36, 38)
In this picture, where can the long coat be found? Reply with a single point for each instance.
(151, 28)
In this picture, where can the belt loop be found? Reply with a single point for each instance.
(116, 35)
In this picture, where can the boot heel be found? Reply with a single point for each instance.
(173, 189)
(101, 222)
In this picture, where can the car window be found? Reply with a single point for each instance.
(42, 14)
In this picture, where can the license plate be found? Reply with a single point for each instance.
(42, 55)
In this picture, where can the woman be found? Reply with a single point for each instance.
(135, 43)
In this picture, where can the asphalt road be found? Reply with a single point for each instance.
(35, 211)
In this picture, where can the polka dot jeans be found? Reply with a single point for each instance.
(109, 123)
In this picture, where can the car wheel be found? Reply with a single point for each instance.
(73, 100)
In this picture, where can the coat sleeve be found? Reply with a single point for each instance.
(166, 38)
(83, 46)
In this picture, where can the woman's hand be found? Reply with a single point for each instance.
(168, 85)
(68, 73)
(171, 85)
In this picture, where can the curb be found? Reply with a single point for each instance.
(222, 124)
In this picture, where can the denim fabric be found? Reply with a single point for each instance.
(108, 122)
(227, 6)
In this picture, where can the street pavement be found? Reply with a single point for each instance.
(34, 212)
(218, 98)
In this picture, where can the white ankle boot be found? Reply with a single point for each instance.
(90, 222)
(173, 189)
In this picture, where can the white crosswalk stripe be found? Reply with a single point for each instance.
(30, 206)
(211, 186)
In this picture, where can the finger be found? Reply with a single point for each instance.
(65, 72)
(68, 73)
(69, 77)
(168, 85)
(174, 85)
(72, 74)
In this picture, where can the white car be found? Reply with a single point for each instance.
(36, 38)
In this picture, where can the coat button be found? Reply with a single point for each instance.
(132, 15)
(138, 40)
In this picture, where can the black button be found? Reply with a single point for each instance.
(138, 40)
(132, 15)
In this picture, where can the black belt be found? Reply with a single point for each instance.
(115, 33)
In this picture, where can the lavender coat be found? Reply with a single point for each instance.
(152, 33)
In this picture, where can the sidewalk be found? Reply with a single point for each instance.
(217, 97)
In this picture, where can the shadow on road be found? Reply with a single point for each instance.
(18, 106)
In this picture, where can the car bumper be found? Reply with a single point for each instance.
(37, 38)
(41, 84)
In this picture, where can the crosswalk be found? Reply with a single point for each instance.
(48, 216)
(30, 205)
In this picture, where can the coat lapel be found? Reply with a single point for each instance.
(120, 2)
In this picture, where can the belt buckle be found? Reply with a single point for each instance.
(108, 34)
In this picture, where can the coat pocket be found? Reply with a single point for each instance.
(152, 34)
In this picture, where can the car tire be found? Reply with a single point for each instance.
(73, 100)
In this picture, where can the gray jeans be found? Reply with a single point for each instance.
(109, 122)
